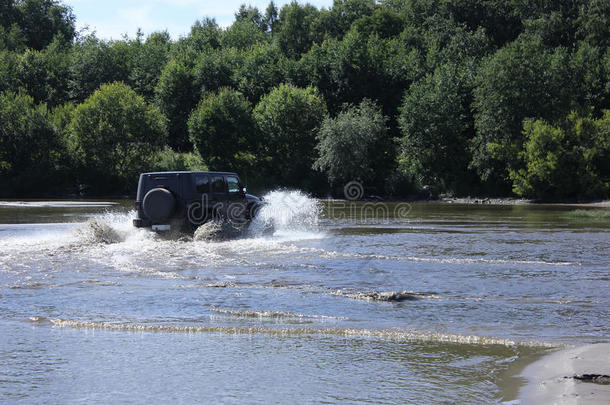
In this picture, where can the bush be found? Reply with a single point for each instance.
(176, 95)
(29, 147)
(288, 119)
(566, 160)
(355, 145)
(170, 160)
(114, 135)
(436, 125)
(222, 129)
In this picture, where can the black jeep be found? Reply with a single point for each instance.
(185, 200)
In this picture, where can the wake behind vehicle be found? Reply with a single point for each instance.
(184, 200)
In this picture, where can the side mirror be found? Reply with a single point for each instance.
(244, 190)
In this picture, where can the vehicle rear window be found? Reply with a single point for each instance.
(233, 184)
(202, 183)
(218, 185)
(167, 182)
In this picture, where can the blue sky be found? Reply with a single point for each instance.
(110, 19)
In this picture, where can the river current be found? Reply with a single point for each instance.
(345, 302)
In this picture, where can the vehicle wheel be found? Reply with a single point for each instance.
(158, 204)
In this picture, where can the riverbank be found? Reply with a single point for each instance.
(551, 379)
(415, 199)
(520, 201)
(485, 201)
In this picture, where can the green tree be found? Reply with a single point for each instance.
(61, 117)
(96, 62)
(215, 69)
(176, 95)
(252, 15)
(204, 35)
(521, 80)
(262, 68)
(383, 22)
(606, 69)
(242, 35)
(149, 59)
(168, 160)
(288, 118)
(500, 18)
(11, 38)
(568, 160)
(114, 134)
(358, 67)
(28, 146)
(8, 71)
(586, 65)
(66, 164)
(294, 28)
(592, 23)
(45, 74)
(8, 13)
(344, 13)
(222, 130)
(437, 126)
(271, 17)
(34, 24)
(355, 146)
(41, 21)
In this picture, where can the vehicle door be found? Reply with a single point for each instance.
(218, 195)
(199, 200)
(236, 199)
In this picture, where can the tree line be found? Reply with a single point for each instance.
(486, 97)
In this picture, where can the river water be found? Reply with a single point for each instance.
(345, 302)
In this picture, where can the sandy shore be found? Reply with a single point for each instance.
(547, 382)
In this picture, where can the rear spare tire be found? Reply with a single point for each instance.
(158, 204)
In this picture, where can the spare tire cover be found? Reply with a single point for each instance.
(158, 204)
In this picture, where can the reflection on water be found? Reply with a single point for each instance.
(364, 302)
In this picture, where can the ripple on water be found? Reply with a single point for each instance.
(395, 335)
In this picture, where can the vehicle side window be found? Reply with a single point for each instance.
(233, 184)
(218, 185)
(202, 183)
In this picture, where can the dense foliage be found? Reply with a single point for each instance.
(571, 159)
(29, 146)
(221, 128)
(114, 135)
(467, 97)
(288, 119)
(355, 146)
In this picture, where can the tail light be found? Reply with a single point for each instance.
(138, 204)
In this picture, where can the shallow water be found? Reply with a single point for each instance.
(345, 302)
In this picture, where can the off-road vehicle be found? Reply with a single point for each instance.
(185, 200)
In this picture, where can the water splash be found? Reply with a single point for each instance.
(107, 228)
(289, 213)
(209, 231)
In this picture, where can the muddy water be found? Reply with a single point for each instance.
(345, 302)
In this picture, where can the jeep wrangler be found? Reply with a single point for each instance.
(185, 200)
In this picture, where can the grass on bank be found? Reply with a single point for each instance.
(590, 214)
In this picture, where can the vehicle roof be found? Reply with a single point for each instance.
(186, 172)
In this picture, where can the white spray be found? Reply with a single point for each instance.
(287, 212)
